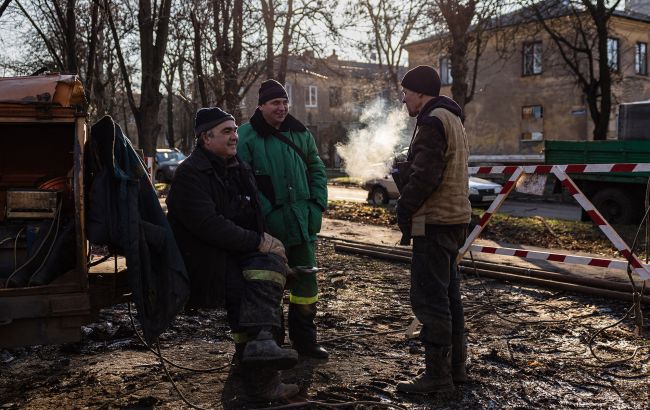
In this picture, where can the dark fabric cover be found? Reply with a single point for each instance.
(123, 212)
(215, 215)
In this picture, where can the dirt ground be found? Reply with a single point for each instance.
(528, 348)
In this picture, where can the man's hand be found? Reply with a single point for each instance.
(404, 224)
(270, 244)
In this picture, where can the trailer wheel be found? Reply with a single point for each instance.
(617, 206)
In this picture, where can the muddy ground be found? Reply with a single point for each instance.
(529, 348)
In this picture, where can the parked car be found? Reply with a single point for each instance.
(167, 160)
(382, 190)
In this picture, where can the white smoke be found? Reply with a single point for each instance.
(369, 151)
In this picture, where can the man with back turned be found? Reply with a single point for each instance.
(434, 210)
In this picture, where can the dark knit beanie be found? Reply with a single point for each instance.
(208, 118)
(422, 79)
(271, 89)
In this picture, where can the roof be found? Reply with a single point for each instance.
(332, 66)
(64, 90)
(548, 8)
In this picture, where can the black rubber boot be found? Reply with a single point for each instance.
(239, 352)
(437, 375)
(459, 357)
(265, 385)
(302, 331)
(264, 352)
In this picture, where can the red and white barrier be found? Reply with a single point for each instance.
(553, 257)
(568, 168)
(560, 171)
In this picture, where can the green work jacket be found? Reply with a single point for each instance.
(292, 204)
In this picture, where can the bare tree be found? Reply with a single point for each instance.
(269, 17)
(69, 44)
(228, 32)
(391, 25)
(235, 33)
(580, 31)
(153, 23)
(465, 24)
(297, 24)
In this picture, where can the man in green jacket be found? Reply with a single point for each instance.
(293, 190)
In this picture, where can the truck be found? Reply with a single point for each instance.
(43, 128)
(619, 197)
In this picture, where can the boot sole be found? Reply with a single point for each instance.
(271, 363)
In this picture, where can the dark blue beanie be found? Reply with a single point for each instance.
(208, 118)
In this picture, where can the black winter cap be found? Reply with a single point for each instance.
(422, 79)
(269, 90)
(208, 118)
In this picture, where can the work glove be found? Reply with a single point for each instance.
(270, 244)
(404, 224)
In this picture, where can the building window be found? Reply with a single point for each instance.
(355, 95)
(532, 58)
(289, 88)
(612, 53)
(335, 97)
(445, 71)
(311, 96)
(532, 125)
(641, 59)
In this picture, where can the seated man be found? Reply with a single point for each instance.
(216, 217)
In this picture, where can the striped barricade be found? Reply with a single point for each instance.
(560, 171)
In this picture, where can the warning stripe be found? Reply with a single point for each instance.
(556, 257)
(560, 171)
(492, 209)
(605, 227)
(569, 168)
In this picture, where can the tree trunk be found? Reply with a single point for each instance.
(152, 53)
(229, 49)
(286, 42)
(198, 61)
(170, 106)
(71, 37)
(601, 124)
(268, 14)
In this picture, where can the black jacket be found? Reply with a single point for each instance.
(123, 211)
(215, 215)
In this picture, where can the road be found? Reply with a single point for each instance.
(509, 207)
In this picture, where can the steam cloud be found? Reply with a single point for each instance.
(369, 152)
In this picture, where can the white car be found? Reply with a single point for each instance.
(382, 190)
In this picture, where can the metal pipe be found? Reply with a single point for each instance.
(558, 282)
(554, 284)
(535, 273)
